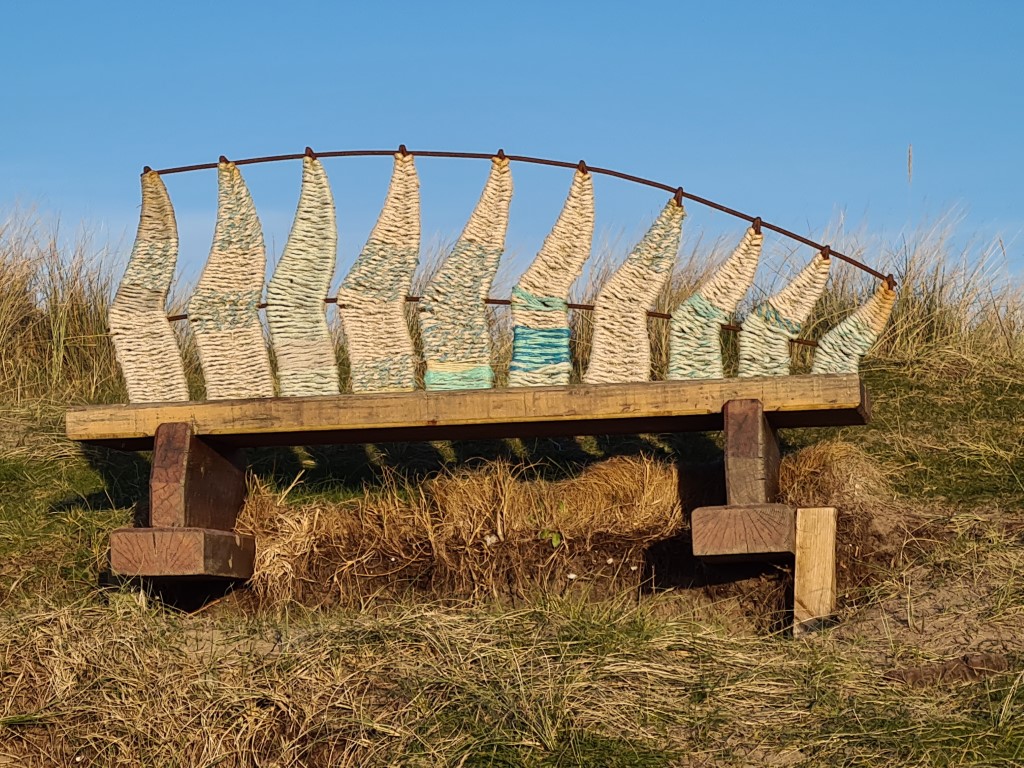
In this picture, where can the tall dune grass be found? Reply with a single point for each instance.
(53, 308)
(954, 306)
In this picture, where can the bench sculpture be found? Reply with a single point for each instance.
(198, 476)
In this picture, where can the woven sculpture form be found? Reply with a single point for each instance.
(695, 335)
(295, 309)
(540, 316)
(380, 332)
(768, 329)
(143, 338)
(453, 318)
(621, 347)
(841, 349)
(223, 310)
(372, 296)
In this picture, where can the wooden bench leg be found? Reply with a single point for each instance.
(196, 491)
(814, 578)
(751, 523)
(752, 526)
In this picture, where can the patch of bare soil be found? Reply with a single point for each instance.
(955, 587)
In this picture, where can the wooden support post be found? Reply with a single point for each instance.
(193, 485)
(814, 579)
(196, 492)
(751, 454)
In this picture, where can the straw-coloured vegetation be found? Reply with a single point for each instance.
(531, 602)
(466, 533)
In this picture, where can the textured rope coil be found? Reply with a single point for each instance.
(372, 296)
(143, 339)
(841, 349)
(223, 310)
(295, 312)
(767, 331)
(453, 317)
(695, 335)
(540, 316)
(621, 347)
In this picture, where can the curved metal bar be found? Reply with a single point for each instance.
(508, 302)
(679, 192)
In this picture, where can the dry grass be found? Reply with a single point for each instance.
(465, 534)
(872, 526)
(501, 531)
(53, 308)
(520, 665)
(551, 684)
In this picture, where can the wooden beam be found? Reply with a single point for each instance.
(662, 406)
(181, 552)
(739, 531)
(751, 454)
(192, 484)
(814, 578)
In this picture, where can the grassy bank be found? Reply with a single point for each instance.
(384, 626)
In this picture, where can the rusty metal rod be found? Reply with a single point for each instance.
(679, 192)
(508, 302)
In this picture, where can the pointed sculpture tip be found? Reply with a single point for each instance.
(756, 225)
(223, 159)
(501, 154)
(146, 169)
(402, 150)
(678, 196)
(826, 252)
(582, 168)
(310, 153)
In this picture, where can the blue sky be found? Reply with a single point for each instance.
(800, 112)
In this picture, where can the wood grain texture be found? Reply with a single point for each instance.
(814, 579)
(192, 485)
(181, 552)
(749, 530)
(751, 454)
(667, 406)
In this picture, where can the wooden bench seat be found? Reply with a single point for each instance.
(665, 406)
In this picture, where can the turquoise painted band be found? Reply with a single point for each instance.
(772, 317)
(534, 348)
(705, 309)
(479, 377)
(526, 300)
